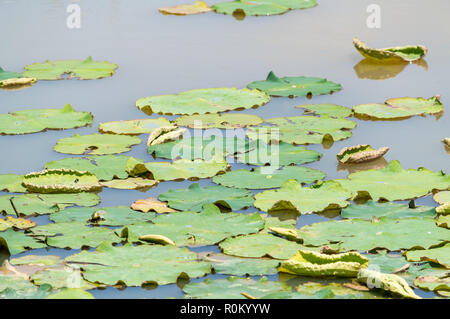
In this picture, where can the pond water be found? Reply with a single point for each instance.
(160, 54)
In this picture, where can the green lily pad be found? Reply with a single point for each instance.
(232, 288)
(407, 53)
(282, 154)
(106, 167)
(395, 183)
(196, 229)
(433, 283)
(276, 222)
(293, 197)
(17, 242)
(18, 223)
(137, 265)
(442, 197)
(235, 266)
(203, 101)
(303, 129)
(222, 121)
(61, 277)
(61, 181)
(133, 127)
(364, 235)
(107, 216)
(295, 86)
(194, 197)
(40, 204)
(16, 283)
(96, 144)
(440, 255)
(443, 221)
(389, 210)
(261, 245)
(131, 183)
(85, 70)
(257, 179)
(38, 120)
(32, 292)
(38, 260)
(261, 7)
(399, 108)
(360, 153)
(11, 183)
(71, 293)
(73, 235)
(331, 110)
(4, 75)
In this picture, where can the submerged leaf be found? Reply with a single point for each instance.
(133, 127)
(360, 153)
(222, 121)
(407, 53)
(186, 9)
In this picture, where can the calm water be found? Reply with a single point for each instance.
(159, 54)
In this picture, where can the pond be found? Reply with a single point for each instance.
(162, 54)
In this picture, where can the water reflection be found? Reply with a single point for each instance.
(374, 70)
(353, 168)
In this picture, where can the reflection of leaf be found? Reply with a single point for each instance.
(407, 53)
(374, 70)
(364, 166)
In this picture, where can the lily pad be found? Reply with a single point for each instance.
(222, 121)
(203, 101)
(395, 183)
(295, 86)
(133, 127)
(232, 288)
(407, 53)
(186, 9)
(106, 167)
(107, 216)
(71, 293)
(17, 223)
(433, 283)
(96, 144)
(61, 277)
(229, 265)
(85, 70)
(196, 229)
(61, 181)
(440, 255)
(12, 183)
(389, 210)
(303, 129)
(261, 7)
(364, 235)
(443, 221)
(331, 110)
(4, 75)
(38, 120)
(399, 108)
(165, 134)
(194, 197)
(293, 197)
(311, 263)
(360, 153)
(137, 265)
(442, 197)
(73, 235)
(257, 179)
(275, 154)
(13, 79)
(137, 183)
(151, 204)
(17, 242)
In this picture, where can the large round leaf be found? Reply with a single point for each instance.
(331, 110)
(390, 210)
(17, 242)
(133, 127)
(440, 255)
(223, 121)
(96, 144)
(262, 7)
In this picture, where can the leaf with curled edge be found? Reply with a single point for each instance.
(438, 255)
(186, 9)
(407, 53)
(18, 223)
(360, 153)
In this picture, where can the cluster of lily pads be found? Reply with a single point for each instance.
(379, 249)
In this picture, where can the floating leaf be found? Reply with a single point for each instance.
(443, 221)
(105, 167)
(303, 129)
(151, 204)
(232, 288)
(61, 181)
(407, 53)
(261, 7)
(222, 121)
(133, 127)
(38, 120)
(12, 222)
(15, 282)
(360, 153)
(440, 255)
(186, 9)
(236, 266)
(399, 108)
(73, 235)
(17, 242)
(295, 86)
(108, 216)
(258, 179)
(157, 239)
(137, 265)
(4, 75)
(71, 293)
(389, 282)
(433, 283)
(442, 197)
(203, 101)
(165, 134)
(389, 210)
(16, 83)
(443, 209)
(33, 292)
(37, 260)
(197, 229)
(293, 197)
(331, 110)
(96, 144)
(61, 277)
(11, 183)
(85, 70)
(33, 204)
(131, 183)
(363, 235)
(194, 197)
(282, 154)
(395, 183)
